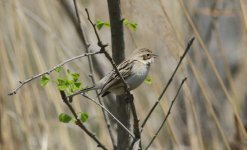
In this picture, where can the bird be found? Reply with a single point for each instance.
(134, 70)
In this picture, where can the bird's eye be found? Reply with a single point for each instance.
(147, 56)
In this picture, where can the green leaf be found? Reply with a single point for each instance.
(58, 69)
(65, 118)
(84, 117)
(62, 84)
(100, 24)
(44, 80)
(126, 21)
(106, 24)
(148, 80)
(133, 26)
(75, 76)
(77, 85)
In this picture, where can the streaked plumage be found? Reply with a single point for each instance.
(134, 70)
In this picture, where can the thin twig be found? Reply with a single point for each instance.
(107, 55)
(169, 82)
(79, 25)
(85, 42)
(168, 113)
(79, 123)
(105, 109)
(102, 49)
(49, 71)
(129, 95)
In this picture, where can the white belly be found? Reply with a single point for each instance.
(137, 78)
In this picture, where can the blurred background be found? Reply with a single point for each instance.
(210, 113)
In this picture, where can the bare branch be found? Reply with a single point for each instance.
(79, 123)
(189, 44)
(102, 49)
(129, 95)
(168, 113)
(103, 107)
(136, 125)
(85, 42)
(49, 71)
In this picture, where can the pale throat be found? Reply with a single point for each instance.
(141, 67)
(147, 62)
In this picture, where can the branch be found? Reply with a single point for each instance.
(79, 123)
(114, 118)
(189, 44)
(168, 113)
(102, 50)
(136, 125)
(79, 25)
(49, 71)
(85, 42)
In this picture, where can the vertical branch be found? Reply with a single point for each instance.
(85, 42)
(117, 34)
(118, 54)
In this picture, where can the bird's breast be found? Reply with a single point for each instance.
(138, 75)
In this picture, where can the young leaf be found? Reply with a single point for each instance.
(133, 26)
(75, 76)
(44, 80)
(84, 117)
(62, 84)
(100, 24)
(148, 80)
(106, 24)
(65, 118)
(58, 69)
(130, 25)
(126, 21)
(77, 85)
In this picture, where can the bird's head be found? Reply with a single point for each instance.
(143, 55)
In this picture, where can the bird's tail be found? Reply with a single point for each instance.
(82, 91)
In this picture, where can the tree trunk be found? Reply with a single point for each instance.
(118, 54)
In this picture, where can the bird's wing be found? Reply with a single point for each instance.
(124, 69)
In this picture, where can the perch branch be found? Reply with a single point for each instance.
(103, 50)
(85, 42)
(107, 55)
